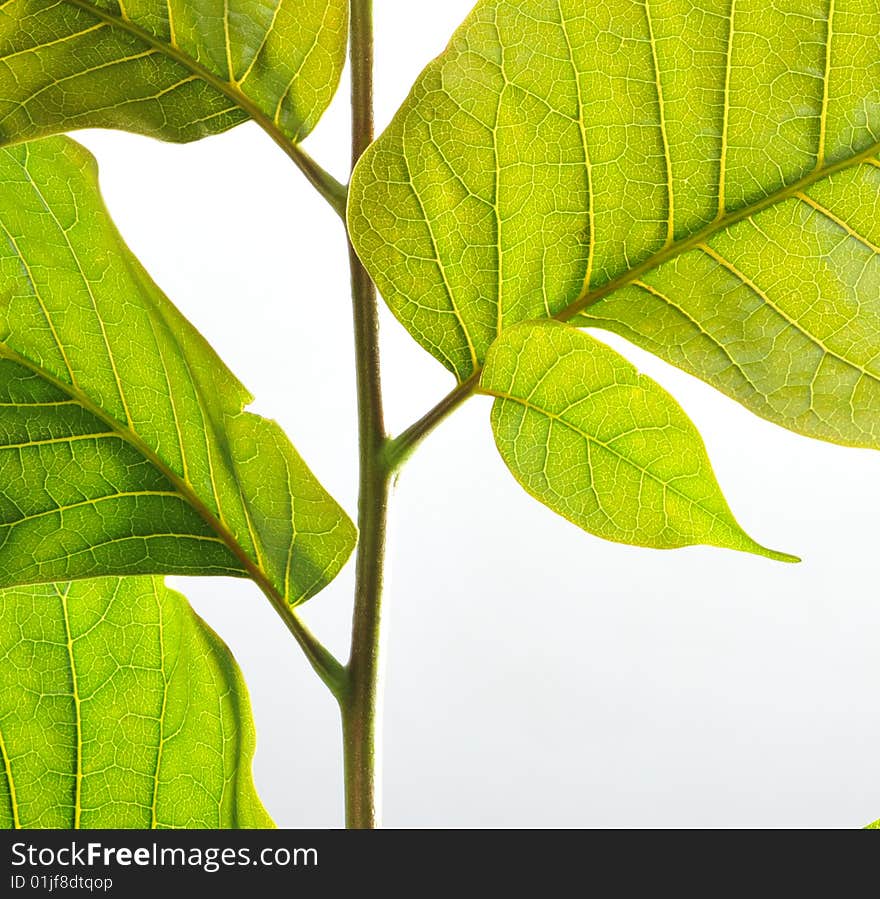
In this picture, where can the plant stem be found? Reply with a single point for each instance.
(360, 702)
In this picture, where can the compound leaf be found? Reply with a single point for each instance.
(120, 708)
(173, 69)
(701, 177)
(123, 445)
(602, 445)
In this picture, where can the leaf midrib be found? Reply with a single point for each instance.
(227, 88)
(77, 707)
(585, 300)
(7, 770)
(160, 620)
(184, 489)
(717, 225)
(591, 438)
(589, 298)
(233, 93)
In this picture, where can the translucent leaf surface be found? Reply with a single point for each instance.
(173, 69)
(123, 445)
(603, 445)
(120, 708)
(701, 177)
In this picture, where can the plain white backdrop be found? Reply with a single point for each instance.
(535, 676)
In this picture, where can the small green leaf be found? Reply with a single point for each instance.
(874, 826)
(120, 708)
(702, 178)
(171, 69)
(123, 445)
(602, 445)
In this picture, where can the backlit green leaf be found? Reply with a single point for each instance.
(701, 177)
(120, 708)
(173, 69)
(602, 445)
(123, 445)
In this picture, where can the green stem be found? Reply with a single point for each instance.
(360, 702)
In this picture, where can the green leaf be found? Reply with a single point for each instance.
(701, 177)
(874, 826)
(167, 68)
(120, 708)
(123, 445)
(604, 446)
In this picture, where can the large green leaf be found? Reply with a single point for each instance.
(120, 708)
(173, 69)
(123, 445)
(602, 445)
(699, 176)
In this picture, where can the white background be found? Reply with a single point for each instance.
(536, 676)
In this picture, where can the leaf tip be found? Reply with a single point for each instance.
(777, 556)
(747, 543)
